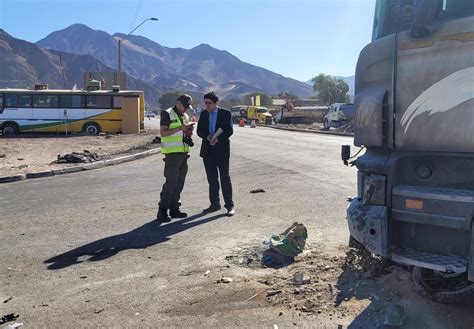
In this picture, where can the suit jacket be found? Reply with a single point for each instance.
(222, 148)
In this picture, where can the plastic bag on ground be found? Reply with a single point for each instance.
(291, 242)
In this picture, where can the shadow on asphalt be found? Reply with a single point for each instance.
(147, 235)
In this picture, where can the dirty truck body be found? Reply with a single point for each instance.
(415, 116)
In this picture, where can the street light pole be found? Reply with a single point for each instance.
(119, 66)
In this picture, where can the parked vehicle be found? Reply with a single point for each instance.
(414, 115)
(249, 113)
(55, 110)
(338, 115)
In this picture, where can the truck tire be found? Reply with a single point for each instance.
(442, 287)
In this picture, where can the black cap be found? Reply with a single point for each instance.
(186, 100)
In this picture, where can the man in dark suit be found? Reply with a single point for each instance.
(216, 152)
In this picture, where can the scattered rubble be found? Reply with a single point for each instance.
(321, 283)
(76, 157)
(225, 279)
(8, 317)
(273, 292)
(259, 190)
(299, 278)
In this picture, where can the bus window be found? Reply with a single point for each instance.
(70, 101)
(24, 101)
(1, 103)
(11, 100)
(99, 101)
(118, 102)
(45, 101)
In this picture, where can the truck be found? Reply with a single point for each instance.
(338, 115)
(249, 113)
(414, 102)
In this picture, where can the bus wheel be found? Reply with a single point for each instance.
(9, 129)
(91, 128)
(448, 288)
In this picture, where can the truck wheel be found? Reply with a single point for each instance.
(9, 129)
(326, 124)
(91, 128)
(447, 288)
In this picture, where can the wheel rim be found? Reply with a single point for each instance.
(437, 281)
(92, 130)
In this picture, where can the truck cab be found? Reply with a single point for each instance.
(414, 116)
(249, 113)
(338, 115)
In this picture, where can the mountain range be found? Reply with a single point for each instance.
(149, 66)
(201, 68)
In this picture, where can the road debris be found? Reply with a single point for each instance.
(259, 190)
(99, 311)
(299, 278)
(14, 325)
(225, 279)
(207, 273)
(291, 242)
(7, 300)
(273, 292)
(3, 155)
(76, 157)
(8, 317)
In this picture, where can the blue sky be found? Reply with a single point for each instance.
(296, 38)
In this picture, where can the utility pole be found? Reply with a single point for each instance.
(119, 66)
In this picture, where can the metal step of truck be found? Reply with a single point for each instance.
(431, 261)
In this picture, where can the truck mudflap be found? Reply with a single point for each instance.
(368, 224)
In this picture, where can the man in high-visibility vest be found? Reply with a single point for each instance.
(175, 145)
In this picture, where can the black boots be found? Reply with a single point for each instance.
(162, 215)
(178, 214)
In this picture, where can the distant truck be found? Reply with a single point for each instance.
(249, 113)
(414, 103)
(338, 115)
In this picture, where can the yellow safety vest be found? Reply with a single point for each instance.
(174, 143)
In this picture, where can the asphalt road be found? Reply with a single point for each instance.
(153, 123)
(83, 249)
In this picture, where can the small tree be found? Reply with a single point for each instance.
(228, 103)
(290, 96)
(331, 90)
(265, 100)
(169, 99)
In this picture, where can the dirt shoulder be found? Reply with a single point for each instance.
(35, 152)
